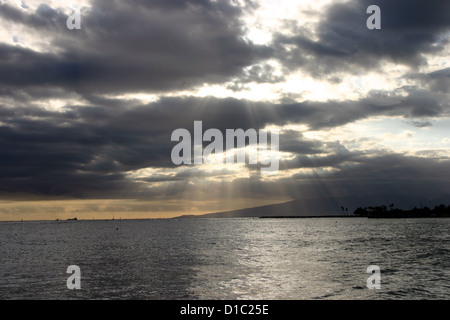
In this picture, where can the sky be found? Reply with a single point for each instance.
(86, 115)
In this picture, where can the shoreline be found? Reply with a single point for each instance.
(297, 217)
(237, 217)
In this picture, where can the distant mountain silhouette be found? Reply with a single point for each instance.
(326, 206)
(290, 208)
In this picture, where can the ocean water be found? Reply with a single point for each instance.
(242, 258)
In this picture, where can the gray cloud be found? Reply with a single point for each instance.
(85, 150)
(409, 29)
(440, 81)
(158, 46)
(131, 46)
(294, 142)
(387, 175)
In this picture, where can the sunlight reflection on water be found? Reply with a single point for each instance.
(245, 258)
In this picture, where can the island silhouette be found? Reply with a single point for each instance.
(390, 212)
(331, 207)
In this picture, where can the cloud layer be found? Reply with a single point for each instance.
(73, 125)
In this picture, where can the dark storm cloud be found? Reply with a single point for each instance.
(393, 174)
(131, 46)
(78, 152)
(440, 81)
(375, 174)
(294, 142)
(226, 113)
(437, 81)
(45, 17)
(335, 156)
(177, 45)
(385, 174)
(22, 67)
(409, 29)
(87, 150)
(128, 46)
(408, 102)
